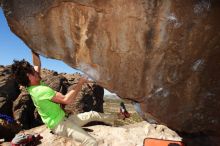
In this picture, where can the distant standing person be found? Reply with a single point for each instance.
(123, 111)
(47, 102)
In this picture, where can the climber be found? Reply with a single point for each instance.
(47, 102)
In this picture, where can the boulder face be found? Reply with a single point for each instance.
(163, 54)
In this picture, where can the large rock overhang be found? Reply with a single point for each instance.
(162, 54)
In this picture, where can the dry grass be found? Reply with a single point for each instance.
(112, 106)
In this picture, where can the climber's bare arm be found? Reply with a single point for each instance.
(71, 95)
(36, 62)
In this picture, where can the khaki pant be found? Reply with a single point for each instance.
(71, 126)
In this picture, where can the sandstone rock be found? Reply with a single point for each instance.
(9, 91)
(163, 54)
(97, 99)
(56, 81)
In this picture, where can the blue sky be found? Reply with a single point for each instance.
(12, 47)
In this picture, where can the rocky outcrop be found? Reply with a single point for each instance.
(163, 54)
(9, 90)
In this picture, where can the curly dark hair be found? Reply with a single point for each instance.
(20, 69)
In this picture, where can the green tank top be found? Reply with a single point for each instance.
(51, 113)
